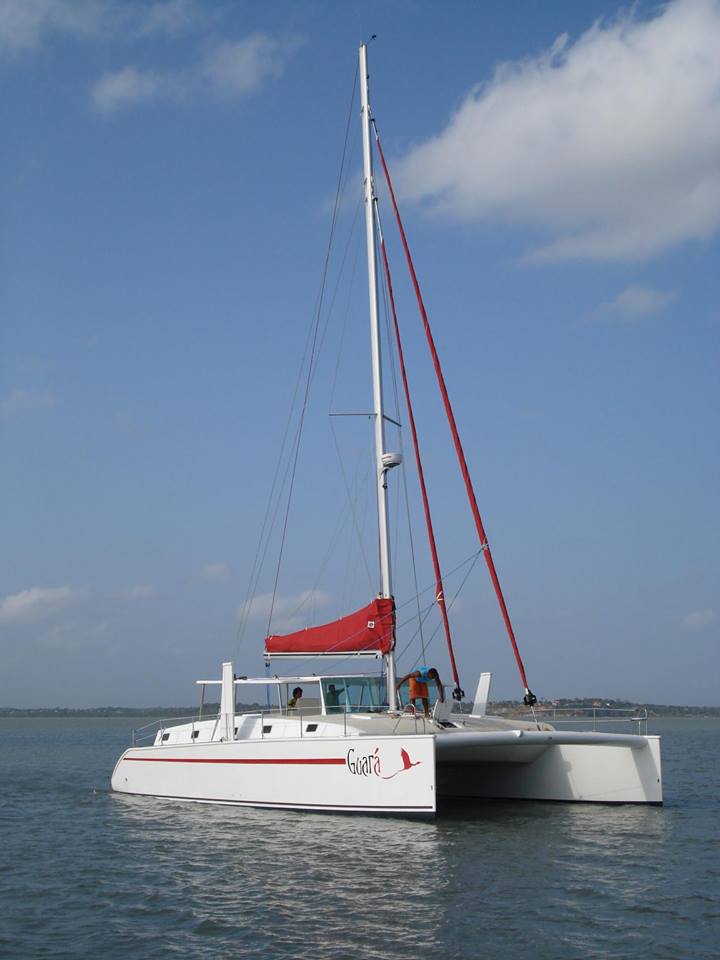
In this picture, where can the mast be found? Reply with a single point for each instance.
(381, 468)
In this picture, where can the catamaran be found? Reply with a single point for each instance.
(344, 742)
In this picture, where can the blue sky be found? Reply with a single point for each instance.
(167, 173)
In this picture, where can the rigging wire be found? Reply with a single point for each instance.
(530, 699)
(312, 593)
(412, 561)
(355, 559)
(385, 313)
(387, 296)
(313, 350)
(472, 559)
(458, 692)
(451, 604)
(275, 496)
(356, 522)
(311, 373)
(331, 306)
(265, 532)
(352, 498)
(341, 345)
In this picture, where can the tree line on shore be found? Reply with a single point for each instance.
(565, 706)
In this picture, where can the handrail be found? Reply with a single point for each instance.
(160, 723)
(150, 730)
(163, 720)
(595, 715)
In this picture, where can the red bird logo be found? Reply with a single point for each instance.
(407, 764)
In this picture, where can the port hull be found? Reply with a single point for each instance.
(347, 774)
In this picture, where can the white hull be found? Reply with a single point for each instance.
(348, 774)
(528, 765)
(400, 773)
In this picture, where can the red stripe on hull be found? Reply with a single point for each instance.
(291, 760)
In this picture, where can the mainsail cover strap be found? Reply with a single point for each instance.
(368, 629)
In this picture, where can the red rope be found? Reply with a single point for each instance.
(439, 591)
(529, 697)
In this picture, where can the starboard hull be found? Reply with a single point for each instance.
(571, 767)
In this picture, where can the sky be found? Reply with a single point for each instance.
(167, 178)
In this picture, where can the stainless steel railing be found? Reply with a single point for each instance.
(148, 733)
(591, 716)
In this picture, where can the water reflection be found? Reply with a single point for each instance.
(326, 880)
(354, 885)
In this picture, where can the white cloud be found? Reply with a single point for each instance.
(38, 602)
(140, 591)
(25, 24)
(215, 572)
(699, 619)
(239, 67)
(290, 611)
(69, 637)
(608, 144)
(633, 303)
(21, 401)
(127, 87)
(169, 17)
(230, 69)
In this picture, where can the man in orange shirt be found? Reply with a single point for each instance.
(419, 687)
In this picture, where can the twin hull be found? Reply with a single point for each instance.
(397, 774)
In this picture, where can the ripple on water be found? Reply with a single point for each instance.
(86, 873)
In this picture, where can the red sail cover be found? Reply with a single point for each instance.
(365, 631)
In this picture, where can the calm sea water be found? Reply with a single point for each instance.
(85, 873)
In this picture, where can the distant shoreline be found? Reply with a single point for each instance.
(583, 708)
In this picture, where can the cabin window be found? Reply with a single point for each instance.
(311, 728)
(309, 699)
(354, 694)
(165, 736)
(267, 728)
(195, 734)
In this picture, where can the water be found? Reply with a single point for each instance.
(86, 873)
